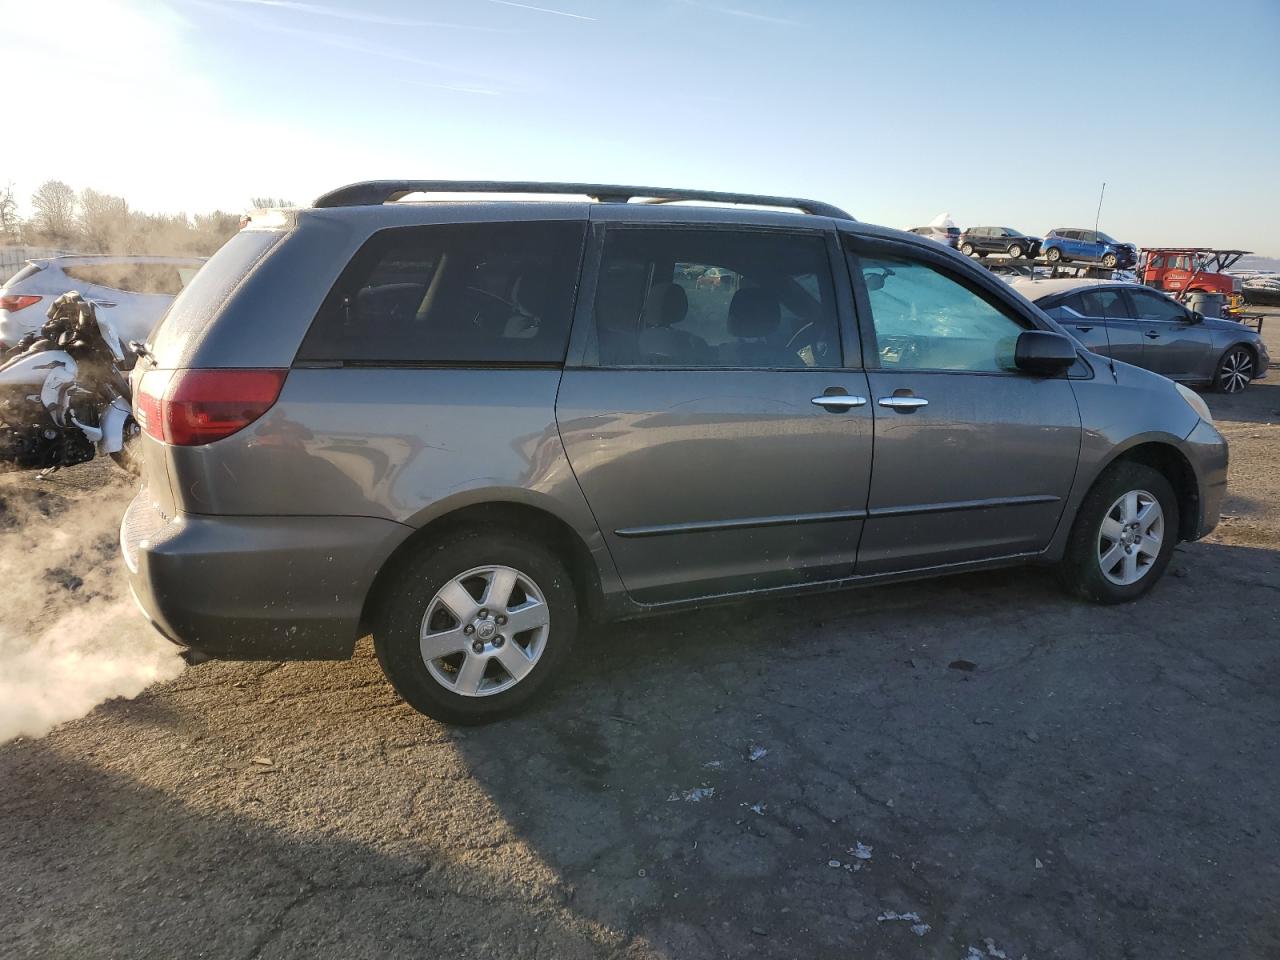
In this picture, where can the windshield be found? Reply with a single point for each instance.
(1103, 238)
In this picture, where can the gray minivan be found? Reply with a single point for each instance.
(463, 425)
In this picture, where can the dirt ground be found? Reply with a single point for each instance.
(1017, 773)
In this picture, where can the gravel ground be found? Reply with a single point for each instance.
(1015, 772)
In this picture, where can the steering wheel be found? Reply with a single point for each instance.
(795, 335)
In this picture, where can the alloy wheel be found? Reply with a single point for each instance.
(1015, 252)
(1130, 537)
(484, 631)
(1236, 372)
(1110, 261)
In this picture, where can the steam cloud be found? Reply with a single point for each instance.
(70, 637)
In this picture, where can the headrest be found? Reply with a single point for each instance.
(617, 303)
(754, 313)
(666, 305)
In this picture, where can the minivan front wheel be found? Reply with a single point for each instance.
(1124, 535)
(1110, 260)
(475, 625)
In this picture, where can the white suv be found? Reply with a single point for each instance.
(137, 291)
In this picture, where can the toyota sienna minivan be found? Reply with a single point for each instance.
(463, 426)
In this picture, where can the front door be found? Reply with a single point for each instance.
(973, 461)
(1174, 345)
(719, 438)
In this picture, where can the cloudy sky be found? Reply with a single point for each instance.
(1009, 114)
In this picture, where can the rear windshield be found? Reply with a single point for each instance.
(453, 293)
(163, 278)
(201, 298)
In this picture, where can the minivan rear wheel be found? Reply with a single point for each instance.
(475, 625)
(1123, 537)
(1110, 260)
(1053, 255)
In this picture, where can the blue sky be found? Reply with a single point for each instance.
(999, 113)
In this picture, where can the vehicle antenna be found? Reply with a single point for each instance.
(1098, 218)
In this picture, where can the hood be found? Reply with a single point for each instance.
(1231, 326)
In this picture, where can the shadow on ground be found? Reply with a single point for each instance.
(1066, 780)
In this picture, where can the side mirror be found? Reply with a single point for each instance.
(1043, 352)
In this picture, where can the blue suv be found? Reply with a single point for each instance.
(1069, 243)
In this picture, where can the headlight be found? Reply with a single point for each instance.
(1195, 402)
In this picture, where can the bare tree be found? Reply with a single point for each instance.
(10, 226)
(104, 222)
(266, 203)
(55, 211)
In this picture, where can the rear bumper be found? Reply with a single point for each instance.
(255, 588)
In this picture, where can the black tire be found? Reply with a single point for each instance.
(1053, 255)
(967, 249)
(403, 601)
(1015, 251)
(127, 458)
(1235, 370)
(1110, 261)
(1081, 569)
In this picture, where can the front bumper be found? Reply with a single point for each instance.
(255, 588)
(1207, 450)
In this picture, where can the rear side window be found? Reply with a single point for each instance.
(715, 298)
(1109, 304)
(453, 293)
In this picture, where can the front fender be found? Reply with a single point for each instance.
(1117, 416)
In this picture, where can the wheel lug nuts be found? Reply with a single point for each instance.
(478, 646)
(483, 614)
(502, 621)
(469, 629)
(498, 641)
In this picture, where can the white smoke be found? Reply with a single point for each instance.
(70, 636)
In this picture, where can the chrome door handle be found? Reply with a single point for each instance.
(1083, 329)
(838, 401)
(906, 404)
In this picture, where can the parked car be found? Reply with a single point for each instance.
(1067, 244)
(946, 235)
(1012, 243)
(1133, 323)
(136, 291)
(463, 426)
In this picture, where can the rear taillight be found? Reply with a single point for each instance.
(191, 407)
(14, 302)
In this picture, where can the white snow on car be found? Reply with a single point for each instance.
(136, 290)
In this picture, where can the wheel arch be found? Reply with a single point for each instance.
(536, 520)
(1172, 463)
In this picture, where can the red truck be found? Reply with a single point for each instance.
(1182, 271)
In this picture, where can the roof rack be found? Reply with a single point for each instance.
(374, 192)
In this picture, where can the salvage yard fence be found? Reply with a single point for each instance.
(13, 259)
